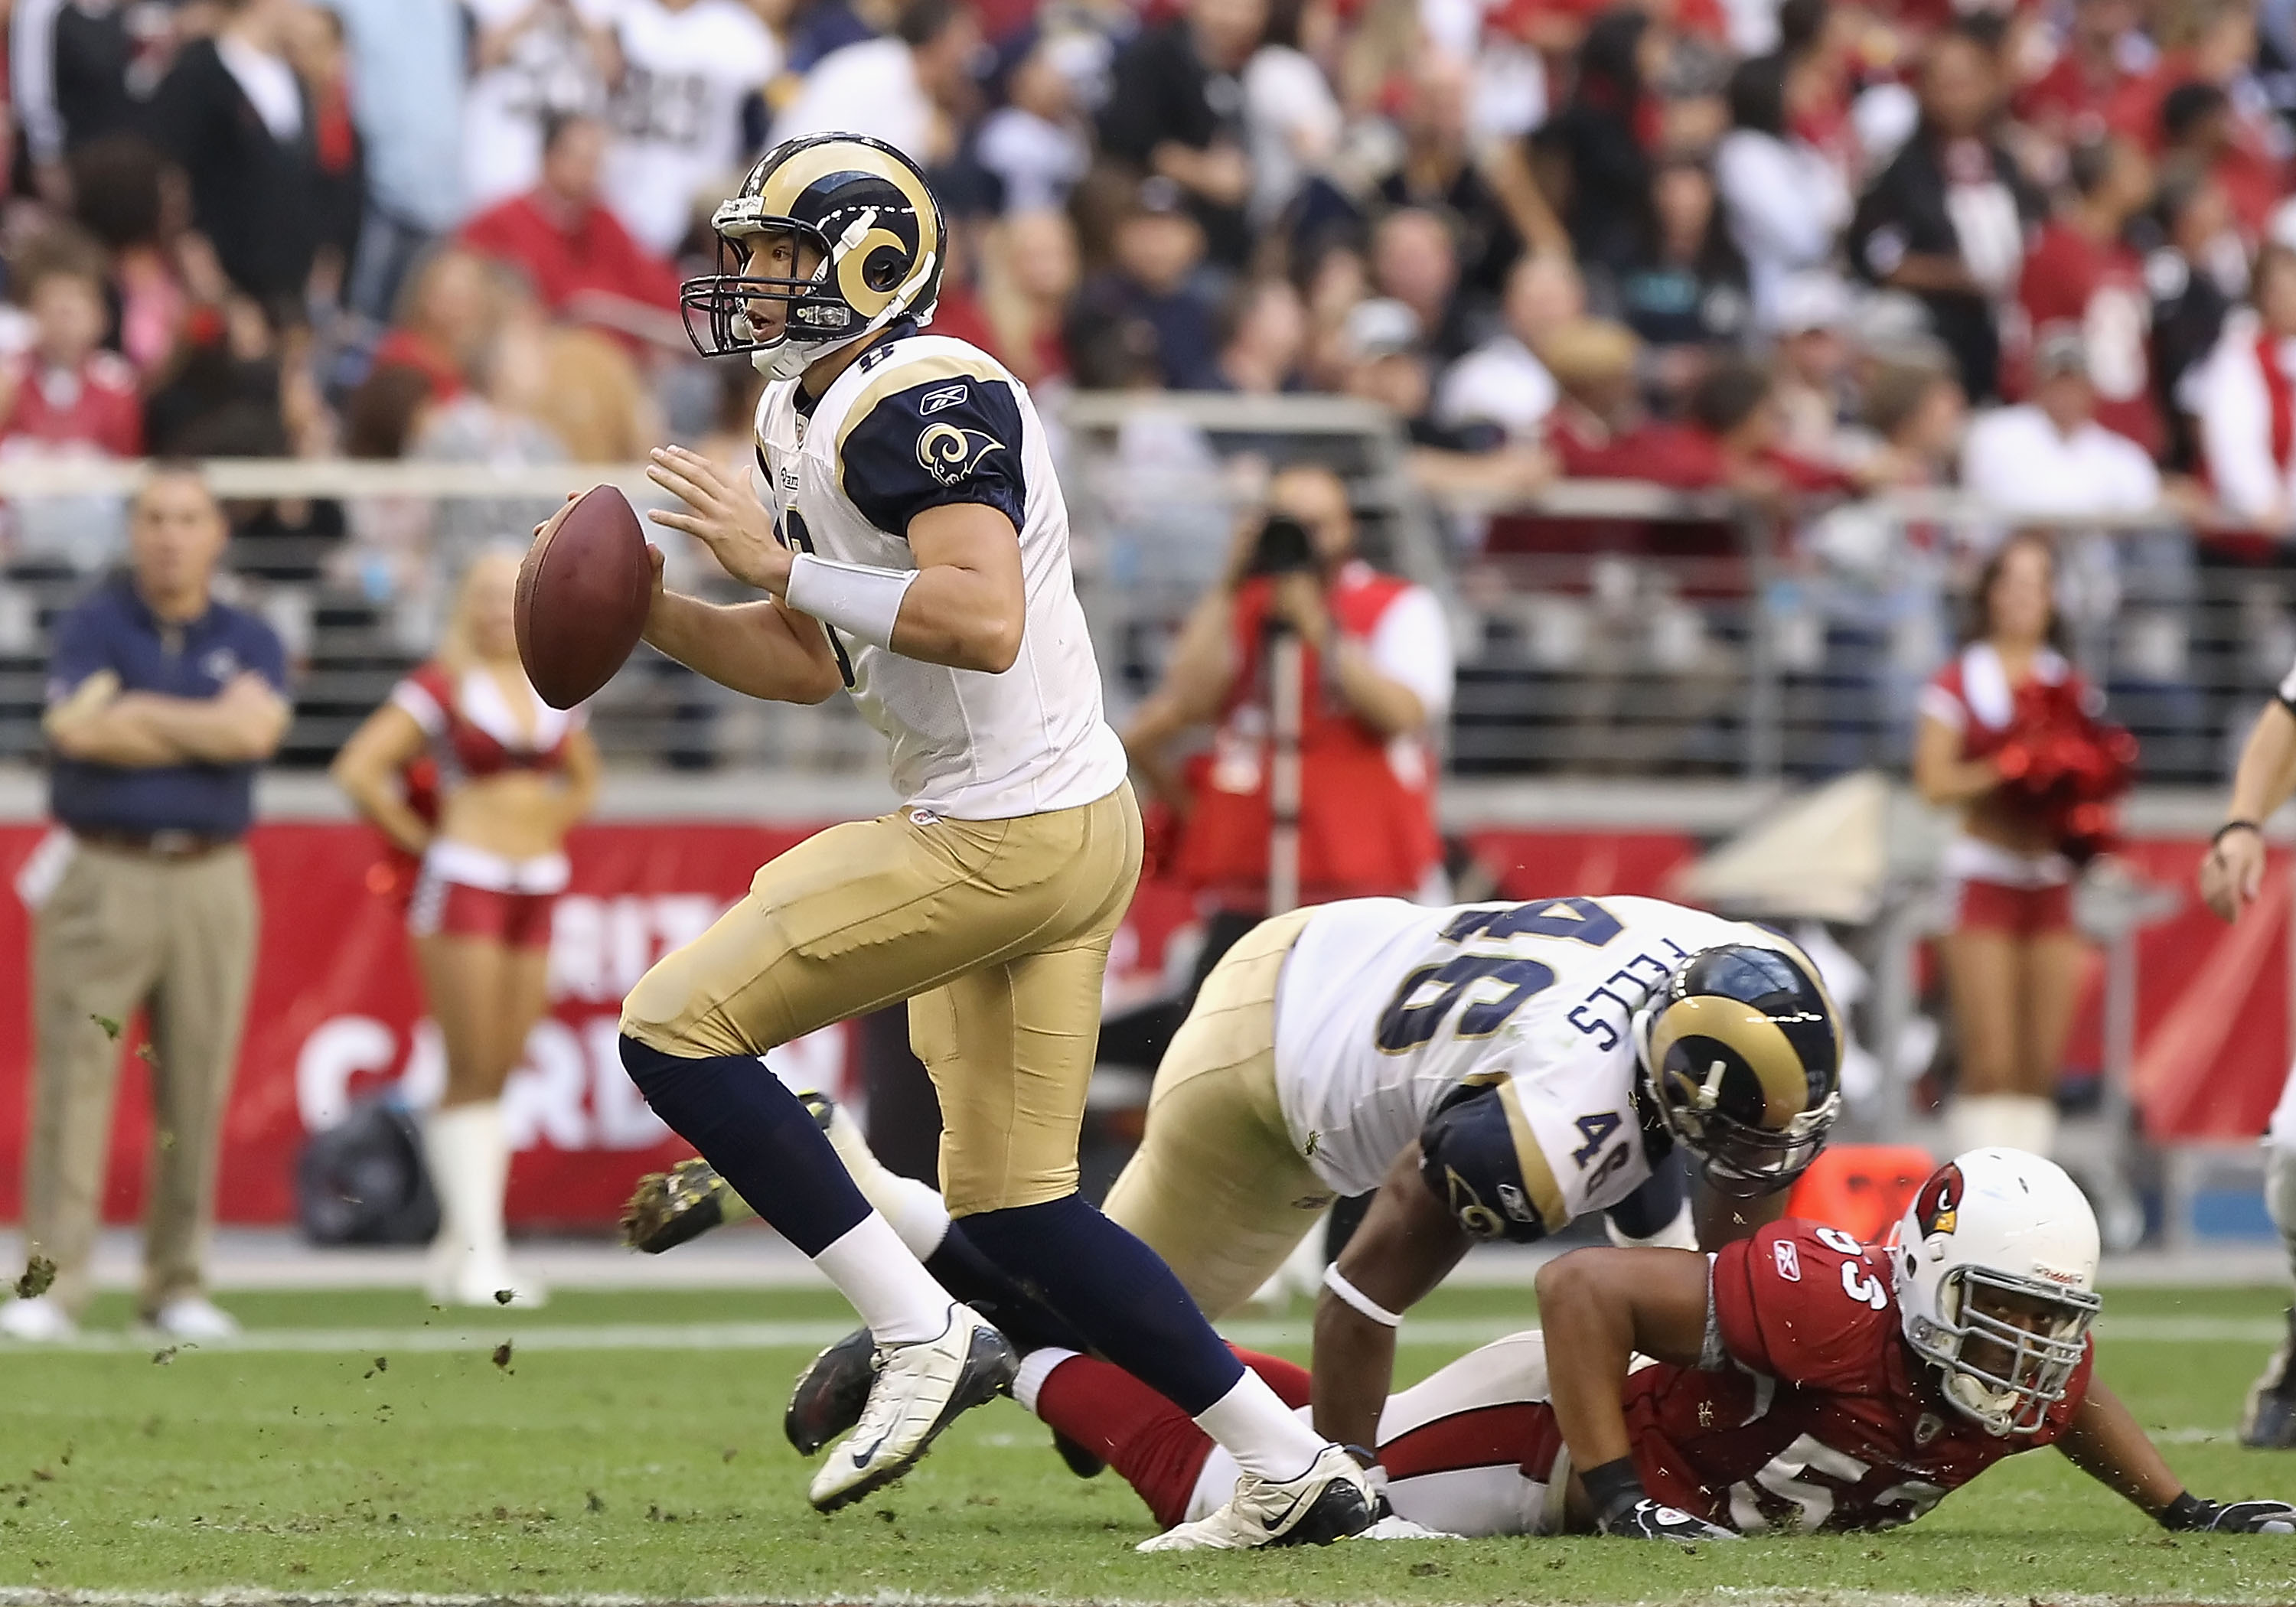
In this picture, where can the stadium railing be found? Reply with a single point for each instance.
(1621, 644)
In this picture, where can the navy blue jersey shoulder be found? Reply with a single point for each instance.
(950, 438)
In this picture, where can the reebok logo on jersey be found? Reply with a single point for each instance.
(1510, 1201)
(1788, 1257)
(947, 396)
(950, 452)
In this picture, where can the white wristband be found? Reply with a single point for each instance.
(857, 598)
(1358, 1298)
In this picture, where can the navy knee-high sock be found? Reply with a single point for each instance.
(959, 1267)
(1115, 1291)
(758, 1135)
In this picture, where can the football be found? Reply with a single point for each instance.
(583, 593)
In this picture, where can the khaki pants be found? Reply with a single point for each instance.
(1216, 1187)
(125, 932)
(996, 933)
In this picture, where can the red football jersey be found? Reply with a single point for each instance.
(1828, 1420)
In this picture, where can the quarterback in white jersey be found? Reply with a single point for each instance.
(920, 422)
(912, 543)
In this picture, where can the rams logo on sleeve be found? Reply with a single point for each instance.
(950, 452)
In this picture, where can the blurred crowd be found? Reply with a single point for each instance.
(1776, 246)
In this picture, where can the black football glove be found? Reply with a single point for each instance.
(1623, 1508)
(1649, 1520)
(2190, 1514)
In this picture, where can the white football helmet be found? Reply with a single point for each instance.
(1996, 1267)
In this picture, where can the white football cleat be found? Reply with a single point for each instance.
(192, 1317)
(920, 1390)
(1330, 1501)
(39, 1321)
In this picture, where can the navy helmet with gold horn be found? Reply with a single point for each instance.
(866, 210)
(1742, 1055)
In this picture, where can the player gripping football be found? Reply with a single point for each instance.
(1802, 1382)
(915, 552)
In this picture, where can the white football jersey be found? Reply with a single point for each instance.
(1386, 1007)
(920, 422)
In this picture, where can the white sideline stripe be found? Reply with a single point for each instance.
(242, 1596)
(813, 1335)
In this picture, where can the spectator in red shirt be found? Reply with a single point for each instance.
(2082, 272)
(2101, 53)
(67, 395)
(583, 263)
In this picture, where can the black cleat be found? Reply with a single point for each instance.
(831, 1392)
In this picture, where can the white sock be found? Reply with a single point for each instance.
(468, 1158)
(1036, 1367)
(2006, 1121)
(1982, 1122)
(888, 1285)
(2037, 1124)
(915, 1209)
(1260, 1431)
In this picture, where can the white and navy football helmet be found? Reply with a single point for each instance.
(1996, 1267)
(1740, 1052)
(865, 207)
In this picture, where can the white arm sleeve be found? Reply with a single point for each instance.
(1412, 643)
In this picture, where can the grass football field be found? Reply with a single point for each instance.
(629, 1446)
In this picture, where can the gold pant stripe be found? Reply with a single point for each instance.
(996, 931)
(1217, 1188)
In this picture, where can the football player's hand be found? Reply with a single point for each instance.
(2237, 1518)
(1649, 1520)
(726, 517)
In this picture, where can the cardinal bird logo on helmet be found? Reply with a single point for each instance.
(1938, 1209)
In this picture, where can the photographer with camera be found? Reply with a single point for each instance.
(1372, 674)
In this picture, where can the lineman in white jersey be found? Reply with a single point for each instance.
(917, 555)
(2231, 875)
(1491, 1071)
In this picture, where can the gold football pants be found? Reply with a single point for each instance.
(996, 931)
(1217, 1188)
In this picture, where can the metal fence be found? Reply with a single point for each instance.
(1607, 629)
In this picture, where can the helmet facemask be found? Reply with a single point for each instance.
(2007, 1344)
(1739, 1153)
(818, 321)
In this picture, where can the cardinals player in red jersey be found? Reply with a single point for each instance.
(1797, 1380)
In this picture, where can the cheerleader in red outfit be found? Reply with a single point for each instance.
(514, 774)
(2012, 959)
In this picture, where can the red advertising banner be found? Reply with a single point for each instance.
(336, 1014)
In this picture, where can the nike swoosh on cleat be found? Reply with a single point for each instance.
(1275, 1524)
